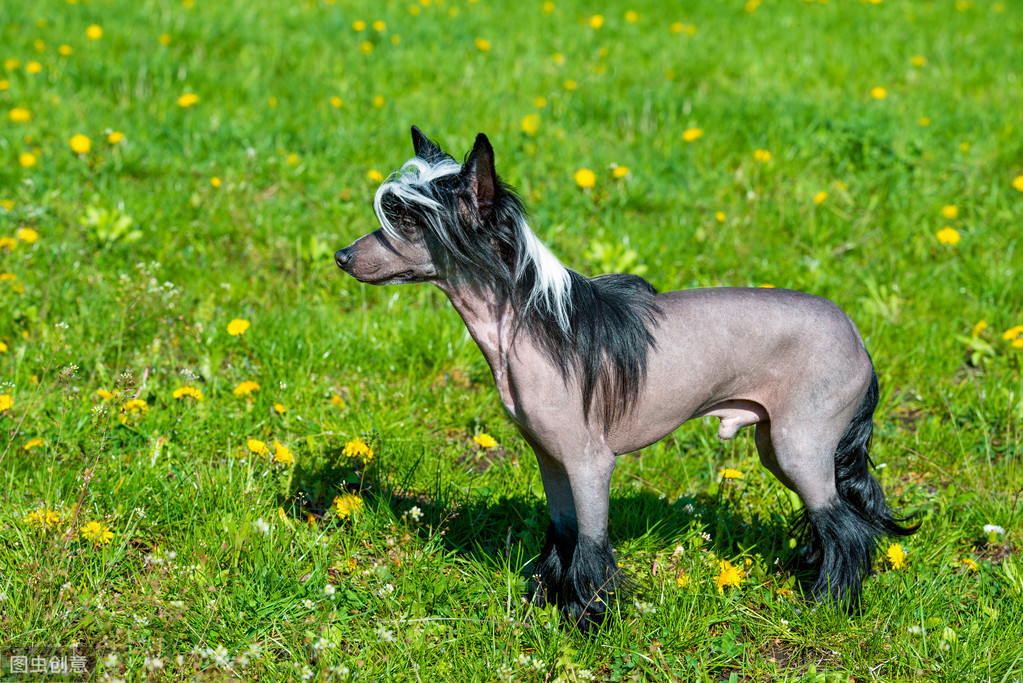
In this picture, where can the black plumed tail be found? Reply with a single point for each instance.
(841, 540)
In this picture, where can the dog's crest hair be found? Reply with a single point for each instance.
(595, 329)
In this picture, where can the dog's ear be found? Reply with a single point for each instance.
(478, 173)
(425, 148)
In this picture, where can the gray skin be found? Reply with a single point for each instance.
(790, 363)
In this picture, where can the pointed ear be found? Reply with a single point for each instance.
(425, 149)
(478, 173)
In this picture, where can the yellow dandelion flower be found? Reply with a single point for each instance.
(924, 121)
(3, 347)
(978, 328)
(729, 575)
(596, 21)
(970, 564)
(359, 25)
(1012, 333)
(187, 100)
(482, 44)
(585, 178)
(964, 147)
(80, 144)
(682, 580)
(631, 16)
(896, 555)
(335, 102)
(33, 67)
(375, 175)
(97, 533)
(558, 58)
(379, 25)
(94, 32)
(7, 204)
(677, 27)
(280, 408)
(6, 402)
(4, 84)
(27, 159)
(484, 440)
(282, 454)
(539, 101)
(8, 277)
(347, 505)
(337, 401)
(357, 448)
(237, 327)
(258, 447)
(1017, 183)
(135, 406)
(378, 101)
(729, 473)
(115, 136)
(918, 60)
(215, 181)
(692, 134)
(820, 197)
(530, 123)
(8, 243)
(570, 84)
(719, 216)
(190, 392)
(28, 235)
(619, 171)
(165, 39)
(293, 159)
(751, 6)
(415, 10)
(365, 47)
(245, 388)
(948, 235)
(64, 50)
(878, 93)
(11, 64)
(32, 443)
(761, 155)
(19, 115)
(104, 394)
(950, 211)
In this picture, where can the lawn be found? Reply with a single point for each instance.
(220, 457)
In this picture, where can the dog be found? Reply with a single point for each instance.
(590, 369)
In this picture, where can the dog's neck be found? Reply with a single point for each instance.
(490, 321)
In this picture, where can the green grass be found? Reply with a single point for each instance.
(188, 575)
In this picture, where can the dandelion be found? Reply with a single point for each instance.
(948, 235)
(97, 533)
(878, 93)
(719, 216)
(27, 159)
(33, 443)
(64, 50)
(484, 440)
(585, 178)
(33, 67)
(335, 102)
(692, 134)
(105, 395)
(729, 575)
(115, 136)
(6, 402)
(482, 44)
(530, 123)
(4, 84)
(970, 564)
(1017, 183)
(570, 84)
(258, 447)
(80, 144)
(357, 448)
(280, 408)
(8, 243)
(596, 21)
(28, 235)
(729, 473)
(190, 392)
(950, 211)
(19, 115)
(379, 25)
(282, 454)
(165, 39)
(378, 101)
(365, 47)
(761, 155)
(918, 60)
(375, 175)
(188, 100)
(359, 25)
(237, 327)
(245, 388)
(820, 197)
(347, 505)
(44, 518)
(631, 16)
(337, 401)
(896, 555)
(978, 328)
(924, 121)
(619, 172)
(677, 27)
(215, 181)
(94, 32)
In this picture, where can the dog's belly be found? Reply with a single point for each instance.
(735, 415)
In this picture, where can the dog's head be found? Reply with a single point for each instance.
(436, 216)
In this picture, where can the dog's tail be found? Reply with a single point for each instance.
(841, 540)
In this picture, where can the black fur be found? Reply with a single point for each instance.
(579, 575)
(606, 343)
(840, 541)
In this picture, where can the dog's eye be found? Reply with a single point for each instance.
(407, 225)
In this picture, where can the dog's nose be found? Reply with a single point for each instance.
(342, 257)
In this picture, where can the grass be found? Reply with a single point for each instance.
(220, 562)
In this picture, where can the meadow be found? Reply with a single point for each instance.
(221, 458)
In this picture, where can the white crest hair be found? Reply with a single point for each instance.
(551, 292)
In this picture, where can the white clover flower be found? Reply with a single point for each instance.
(328, 590)
(385, 635)
(111, 661)
(153, 663)
(415, 513)
(261, 527)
